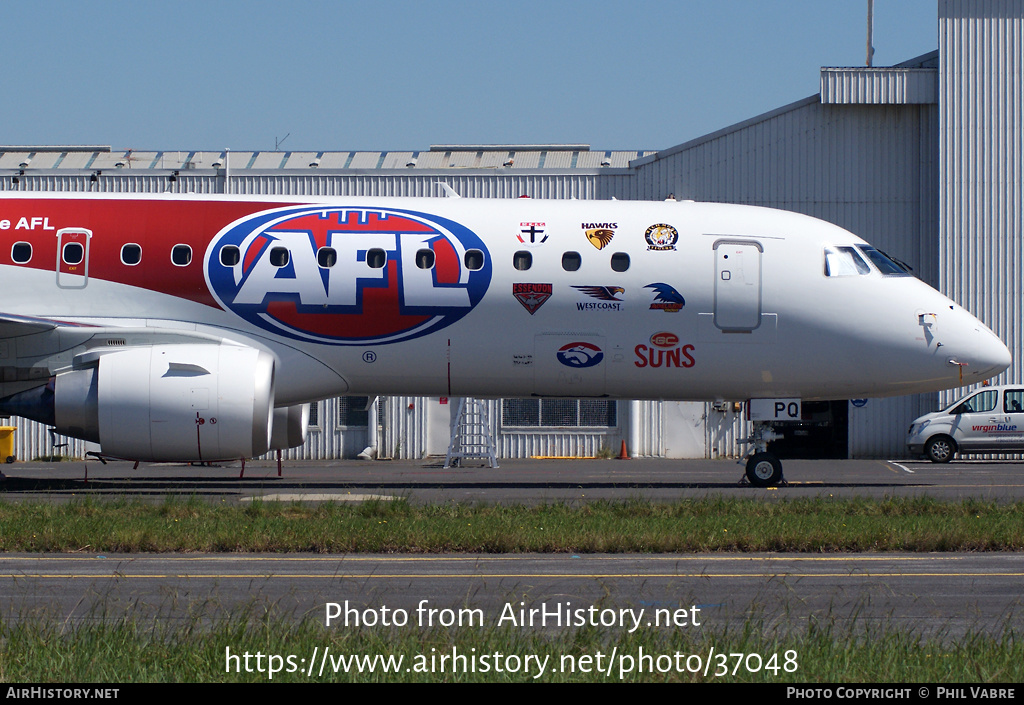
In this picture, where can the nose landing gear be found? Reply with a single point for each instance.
(764, 469)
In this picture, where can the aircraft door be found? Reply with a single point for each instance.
(73, 257)
(737, 285)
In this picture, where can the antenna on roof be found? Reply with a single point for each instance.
(279, 142)
(449, 191)
(871, 32)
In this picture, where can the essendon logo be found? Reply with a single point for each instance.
(347, 276)
(532, 296)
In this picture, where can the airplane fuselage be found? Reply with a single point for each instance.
(662, 300)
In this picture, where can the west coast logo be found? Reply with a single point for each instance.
(664, 351)
(580, 355)
(347, 276)
(607, 298)
(532, 296)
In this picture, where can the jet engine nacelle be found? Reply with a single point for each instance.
(171, 402)
(291, 424)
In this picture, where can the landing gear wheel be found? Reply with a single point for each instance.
(940, 449)
(764, 470)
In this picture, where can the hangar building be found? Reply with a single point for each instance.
(924, 160)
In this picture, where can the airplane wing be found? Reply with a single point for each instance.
(15, 326)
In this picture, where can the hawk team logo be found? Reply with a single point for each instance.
(347, 276)
(599, 234)
(661, 237)
(532, 234)
(532, 296)
(666, 298)
(580, 355)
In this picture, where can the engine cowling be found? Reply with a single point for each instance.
(171, 402)
(291, 425)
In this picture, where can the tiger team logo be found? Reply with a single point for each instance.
(661, 237)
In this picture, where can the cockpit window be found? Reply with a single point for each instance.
(889, 266)
(844, 262)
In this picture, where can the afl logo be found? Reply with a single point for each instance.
(347, 276)
(580, 355)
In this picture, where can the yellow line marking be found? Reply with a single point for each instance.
(490, 559)
(450, 576)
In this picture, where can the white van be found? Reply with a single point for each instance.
(988, 420)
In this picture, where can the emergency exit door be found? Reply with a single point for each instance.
(73, 257)
(737, 285)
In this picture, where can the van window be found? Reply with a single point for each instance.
(982, 401)
(1014, 401)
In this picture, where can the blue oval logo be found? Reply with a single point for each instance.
(580, 355)
(347, 276)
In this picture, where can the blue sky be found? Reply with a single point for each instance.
(398, 74)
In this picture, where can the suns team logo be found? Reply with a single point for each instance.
(347, 276)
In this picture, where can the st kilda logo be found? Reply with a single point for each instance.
(664, 351)
(347, 276)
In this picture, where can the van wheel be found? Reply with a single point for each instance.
(940, 449)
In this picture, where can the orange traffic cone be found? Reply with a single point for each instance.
(623, 455)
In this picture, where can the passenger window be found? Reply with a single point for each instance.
(278, 256)
(181, 255)
(376, 258)
(983, 401)
(1014, 402)
(131, 254)
(230, 255)
(844, 262)
(73, 253)
(21, 252)
(571, 261)
(425, 259)
(474, 260)
(522, 260)
(620, 262)
(326, 257)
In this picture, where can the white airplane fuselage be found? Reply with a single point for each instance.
(488, 298)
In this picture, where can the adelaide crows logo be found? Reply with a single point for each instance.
(347, 276)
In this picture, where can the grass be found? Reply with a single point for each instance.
(129, 651)
(124, 649)
(702, 525)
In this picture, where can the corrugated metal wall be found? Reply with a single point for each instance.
(981, 256)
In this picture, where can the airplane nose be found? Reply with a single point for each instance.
(991, 355)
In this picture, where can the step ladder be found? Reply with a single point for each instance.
(471, 434)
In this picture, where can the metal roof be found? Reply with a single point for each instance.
(555, 158)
